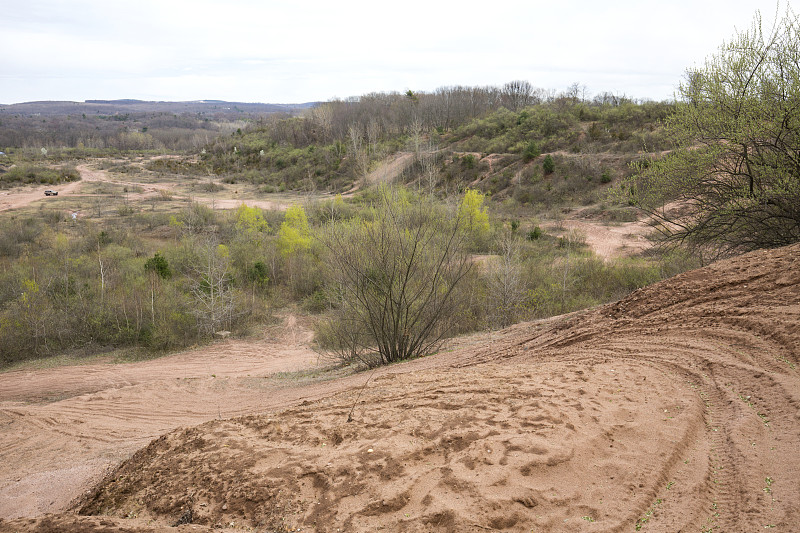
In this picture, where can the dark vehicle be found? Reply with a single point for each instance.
(50, 193)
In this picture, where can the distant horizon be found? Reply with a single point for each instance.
(318, 51)
(589, 97)
(135, 100)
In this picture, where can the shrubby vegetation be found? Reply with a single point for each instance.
(82, 135)
(337, 143)
(395, 278)
(89, 285)
(736, 172)
(391, 271)
(36, 174)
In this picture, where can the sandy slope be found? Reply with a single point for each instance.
(675, 409)
(60, 428)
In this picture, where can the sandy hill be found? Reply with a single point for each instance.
(675, 409)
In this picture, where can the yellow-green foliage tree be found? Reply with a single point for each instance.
(473, 217)
(294, 246)
(294, 234)
(250, 220)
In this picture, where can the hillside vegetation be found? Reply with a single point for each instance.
(174, 273)
(338, 143)
(162, 281)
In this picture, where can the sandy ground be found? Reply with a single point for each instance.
(675, 409)
(612, 241)
(387, 172)
(390, 171)
(24, 196)
(61, 428)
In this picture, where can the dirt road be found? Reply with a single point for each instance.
(675, 409)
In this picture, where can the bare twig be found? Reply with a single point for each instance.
(364, 386)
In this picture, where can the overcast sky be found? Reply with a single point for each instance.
(300, 51)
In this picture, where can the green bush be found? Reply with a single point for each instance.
(535, 234)
(531, 152)
(548, 165)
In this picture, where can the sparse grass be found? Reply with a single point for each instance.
(211, 186)
(82, 357)
(163, 196)
(648, 515)
(314, 375)
(102, 187)
(752, 405)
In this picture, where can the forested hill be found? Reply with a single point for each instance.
(450, 140)
(112, 107)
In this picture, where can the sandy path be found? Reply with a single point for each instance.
(233, 203)
(611, 242)
(389, 171)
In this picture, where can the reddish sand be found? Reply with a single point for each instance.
(675, 409)
(61, 428)
(612, 241)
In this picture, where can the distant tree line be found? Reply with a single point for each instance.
(120, 132)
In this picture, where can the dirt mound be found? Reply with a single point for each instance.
(674, 409)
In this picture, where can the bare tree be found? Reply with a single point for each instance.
(415, 132)
(429, 159)
(506, 287)
(396, 278)
(359, 151)
(517, 94)
(373, 135)
(212, 287)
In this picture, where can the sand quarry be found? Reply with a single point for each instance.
(675, 409)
